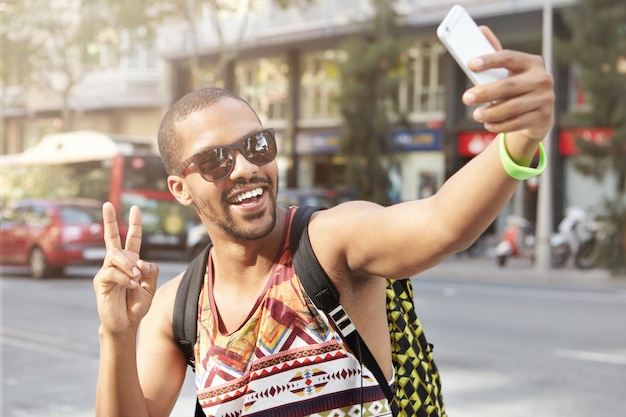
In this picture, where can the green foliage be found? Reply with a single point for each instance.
(17, 45)
(52, 44)
(370, 75)
(284, 4)
(598, 47)
(597, 44)
(614, 258)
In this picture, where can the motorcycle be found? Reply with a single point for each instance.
(518, 239)
(575, 237)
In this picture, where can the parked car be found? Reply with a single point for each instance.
(198, 238)
(50, 235)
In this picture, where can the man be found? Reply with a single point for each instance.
(221, 161)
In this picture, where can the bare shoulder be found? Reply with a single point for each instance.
(162, 309)
(169, 288)
(332, 231)
(343, 217)
(360, 238)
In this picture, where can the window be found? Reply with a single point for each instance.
(319, 85)
(80, 215)
(423, 90)
(264, 84)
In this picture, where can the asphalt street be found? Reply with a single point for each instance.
(508, 341)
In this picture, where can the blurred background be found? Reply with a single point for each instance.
(364, 98)
(366, 103)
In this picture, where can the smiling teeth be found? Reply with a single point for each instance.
(250, 194)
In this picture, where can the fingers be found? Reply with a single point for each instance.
(123, 260)
(133, 238)
(491, 37)
(524, 100)
(112, 238)
(142, 273)
(515, 61)
(118, 273)
(149, 275)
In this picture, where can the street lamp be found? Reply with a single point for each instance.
(544, 197)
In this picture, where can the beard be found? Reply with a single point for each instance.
(236, 228)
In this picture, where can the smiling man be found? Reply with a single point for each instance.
(263, 348)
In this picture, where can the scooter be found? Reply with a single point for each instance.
(518, 239)
(576, 237)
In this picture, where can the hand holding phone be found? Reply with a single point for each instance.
(464, 40)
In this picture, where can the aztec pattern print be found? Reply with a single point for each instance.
(285, 360)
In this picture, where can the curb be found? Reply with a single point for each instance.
(519, 271)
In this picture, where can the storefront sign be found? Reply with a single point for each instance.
(567, 138)
(330, 143)
(417, 140)
(472, 143)
(317, 143)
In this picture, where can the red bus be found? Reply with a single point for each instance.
(123, 170)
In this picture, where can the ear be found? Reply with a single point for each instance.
(178, 188)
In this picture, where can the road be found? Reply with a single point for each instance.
(503, 349)
(525, 349)
(49, 345)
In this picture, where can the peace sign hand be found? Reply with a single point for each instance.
(125, 284)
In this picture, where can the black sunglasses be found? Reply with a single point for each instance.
(217, 162)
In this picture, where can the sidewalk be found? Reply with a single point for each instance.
(520, 271)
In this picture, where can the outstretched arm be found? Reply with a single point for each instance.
(404, 239)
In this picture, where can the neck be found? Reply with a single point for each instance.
(245, 263)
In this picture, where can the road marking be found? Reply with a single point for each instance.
(30, 335)
(610, 358)
(42, 343)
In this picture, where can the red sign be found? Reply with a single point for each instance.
(472, 143)
(567, 138)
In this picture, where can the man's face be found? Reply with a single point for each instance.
(243, 205)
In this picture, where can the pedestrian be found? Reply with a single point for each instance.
(256, 326)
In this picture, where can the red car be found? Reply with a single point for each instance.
(49, 235)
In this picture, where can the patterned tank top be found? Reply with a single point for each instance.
(284, 361)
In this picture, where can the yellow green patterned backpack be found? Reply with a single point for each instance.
(417, 385)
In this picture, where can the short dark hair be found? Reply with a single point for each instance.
(168, 140)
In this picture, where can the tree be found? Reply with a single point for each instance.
(370, 75)
(220, 13)
(598, 47)
(52, 44)
(16, 46)
(15, 53)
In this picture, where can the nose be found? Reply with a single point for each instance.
(243, 168)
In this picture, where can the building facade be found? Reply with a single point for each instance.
(286, 66)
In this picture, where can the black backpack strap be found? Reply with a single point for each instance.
(185, 319)
(324, 294)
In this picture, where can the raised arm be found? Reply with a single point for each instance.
(404, 239)
(124, 288)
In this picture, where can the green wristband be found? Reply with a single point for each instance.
(519, 172)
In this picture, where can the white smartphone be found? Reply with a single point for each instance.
(461, 36)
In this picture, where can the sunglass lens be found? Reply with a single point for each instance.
(261, 148)
(216, 164)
